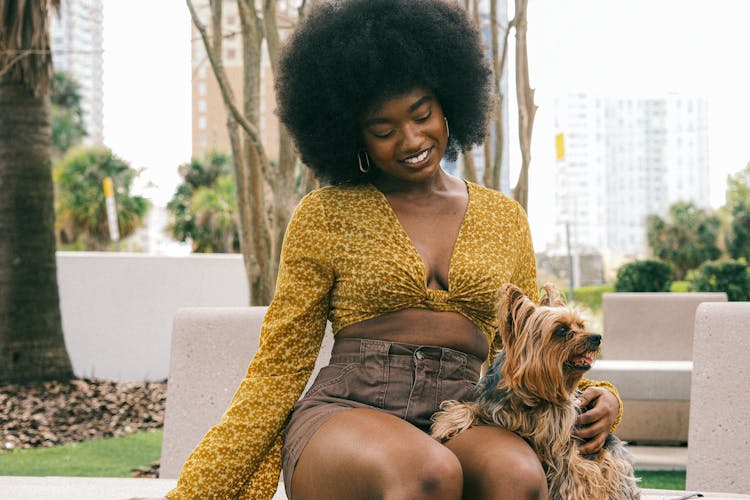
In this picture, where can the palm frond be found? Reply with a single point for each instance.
(25, 54)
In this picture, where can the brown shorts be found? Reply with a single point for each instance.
(404, 380)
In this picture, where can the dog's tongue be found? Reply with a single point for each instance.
(582, 361)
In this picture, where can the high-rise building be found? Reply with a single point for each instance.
(627, 158)
(208, 110)
(76, 38)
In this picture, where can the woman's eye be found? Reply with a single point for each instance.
(383, 135)
(424, 118)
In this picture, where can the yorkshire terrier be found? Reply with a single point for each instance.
(530, 389)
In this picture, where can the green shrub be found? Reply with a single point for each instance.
(644, 276)
(680, 286)
(730, 276)
(591, 296)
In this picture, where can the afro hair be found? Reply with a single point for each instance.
(348, 55)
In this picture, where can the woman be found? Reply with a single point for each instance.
(402, 258)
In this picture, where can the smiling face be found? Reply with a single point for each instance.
(406, 136)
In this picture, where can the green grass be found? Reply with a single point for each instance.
(661, 479)
(112, 457)
(117, 457)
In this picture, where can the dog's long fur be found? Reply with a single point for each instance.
(530, 390)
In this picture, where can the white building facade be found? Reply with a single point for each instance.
(76, 37)
(626, 158)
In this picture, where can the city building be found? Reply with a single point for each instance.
(624, 159)
(209, 129)
(77, 48)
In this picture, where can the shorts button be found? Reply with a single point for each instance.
(419, 355)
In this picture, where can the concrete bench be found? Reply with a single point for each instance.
(210, 351)
(647, 354)
(211, 348)
(719, 445)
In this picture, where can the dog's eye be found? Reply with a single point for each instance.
(562, 331)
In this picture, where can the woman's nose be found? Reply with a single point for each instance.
(411, 138)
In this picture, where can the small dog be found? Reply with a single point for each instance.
(530, 390)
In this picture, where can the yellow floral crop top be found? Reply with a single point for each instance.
(346, 258)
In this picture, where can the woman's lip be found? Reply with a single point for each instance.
(422, 163)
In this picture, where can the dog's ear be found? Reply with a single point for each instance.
(513, 309)
(551, 296)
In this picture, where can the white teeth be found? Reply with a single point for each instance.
(417, 159)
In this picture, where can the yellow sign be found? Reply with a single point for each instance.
(560, 146)
(109, 190)
(109, 200)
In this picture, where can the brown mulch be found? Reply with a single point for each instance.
(53, 413)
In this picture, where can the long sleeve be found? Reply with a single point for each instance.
(240, 456)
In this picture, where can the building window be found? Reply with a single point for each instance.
(201, 89)
(202, 123)
(202, 105)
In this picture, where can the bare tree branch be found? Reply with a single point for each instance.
(224, 87)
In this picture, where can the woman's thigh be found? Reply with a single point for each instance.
(496, 463)
(364, 453)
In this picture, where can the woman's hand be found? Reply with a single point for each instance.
(593, 426)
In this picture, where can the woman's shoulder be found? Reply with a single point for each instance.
(339, 197)
(492, 199)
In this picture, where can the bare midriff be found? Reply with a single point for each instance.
(422, 327)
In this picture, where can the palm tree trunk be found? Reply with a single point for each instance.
(32, 346)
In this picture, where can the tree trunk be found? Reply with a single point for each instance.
(469, 166)
(262, 224)
(282, 180)
(526, 106)
(32, 346)
(256, 169)
(249, 156)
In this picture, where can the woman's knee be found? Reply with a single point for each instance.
(498, 464)
(527, 476)
(431, 473)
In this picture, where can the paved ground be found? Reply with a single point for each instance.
(660, 457)
(78, 488)
(71, 488)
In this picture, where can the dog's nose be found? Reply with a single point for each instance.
(595, 339)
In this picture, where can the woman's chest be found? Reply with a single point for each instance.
(375, 255)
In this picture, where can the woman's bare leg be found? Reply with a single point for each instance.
(363, 454)
(498, 464)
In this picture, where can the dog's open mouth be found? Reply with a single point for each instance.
(581, 362)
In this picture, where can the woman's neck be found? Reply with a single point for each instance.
(440, 182)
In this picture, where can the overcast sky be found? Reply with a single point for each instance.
(617, 47)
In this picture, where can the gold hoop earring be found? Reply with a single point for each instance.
(447, 128)
(367, 162)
